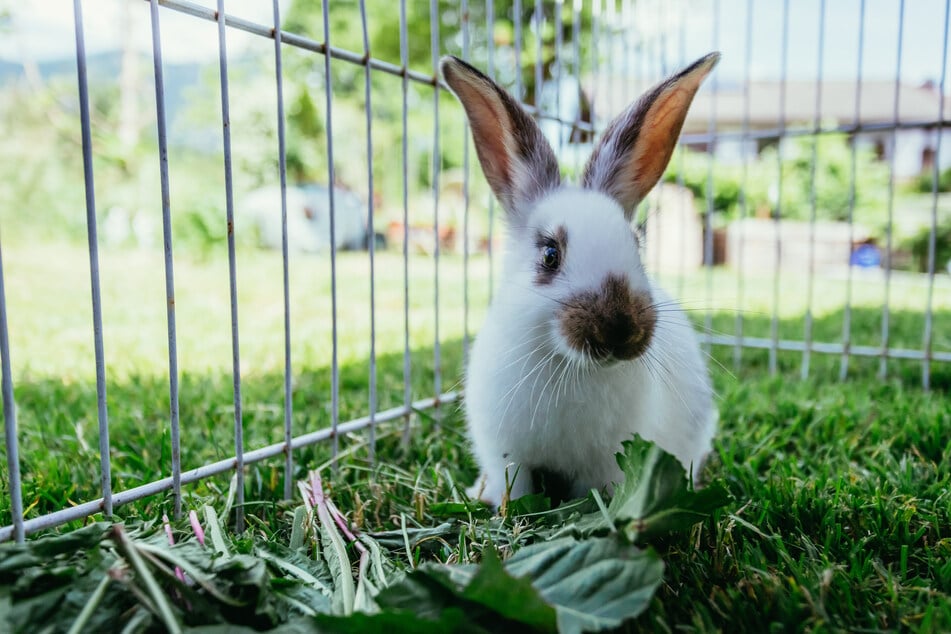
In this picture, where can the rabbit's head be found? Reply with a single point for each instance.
(572, 268)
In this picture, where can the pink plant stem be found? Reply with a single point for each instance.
(319, 498)
(179, 573)
(196, 527)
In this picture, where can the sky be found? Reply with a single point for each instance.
(44, 30)
(757, 36)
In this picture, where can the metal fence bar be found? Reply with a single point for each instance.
(610, 42)
(331, 181)
(777, 214)
(768, 134)
(169, 266)
(371, 231)
(813, 199)
(576, 54)
(295, 40)
(17, 529)
(465, 199)
(325, 48)
(92, 237)
(595, 59)
(932, 237)
(517, 18)
(556, 72)
(232, 270)
(490, 71)
(831, 348)
(222, 466)
(407, 376)
(847, 315)
(357, 58)
(648, 48)
(282, 172)
(538, 18)
(686, 207)
(437, 158)
(889, 227)
(744, 185)
(711, 153)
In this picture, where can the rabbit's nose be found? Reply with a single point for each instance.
(610, 322)
(621, 336)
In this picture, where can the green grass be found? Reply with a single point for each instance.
(841, 517)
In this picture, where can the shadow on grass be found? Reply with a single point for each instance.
(59, 437)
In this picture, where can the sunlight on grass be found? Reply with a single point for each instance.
(50, 314)
(51, 317)
(54, 369)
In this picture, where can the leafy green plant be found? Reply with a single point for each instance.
(919, 246)
(924, 183)
(758, 183)
(580, 568)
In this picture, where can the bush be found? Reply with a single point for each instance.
(833, 180)
(918, 245)
(924, 183)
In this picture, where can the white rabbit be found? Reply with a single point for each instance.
(579, 350)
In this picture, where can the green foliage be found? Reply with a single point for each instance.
(924, 184)
(653, 501)
(833, 183)
(550, 584)
(919, 246)
(840, 187)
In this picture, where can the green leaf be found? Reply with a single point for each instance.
(424, 538)
(593, 584)
(15, 557)
(656, 497)
(338, 561)
(396, 622)
(563, 585)
(513, 598)
(531, 504)
(461, 510)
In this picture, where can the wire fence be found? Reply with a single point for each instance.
(615, 49)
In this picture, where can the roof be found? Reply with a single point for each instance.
(837, 102)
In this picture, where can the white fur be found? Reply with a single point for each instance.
(531, 400)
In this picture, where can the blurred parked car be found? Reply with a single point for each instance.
(308, 218)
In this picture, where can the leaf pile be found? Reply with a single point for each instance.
(584, 566)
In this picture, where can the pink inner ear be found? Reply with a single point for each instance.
(658, 137)
(489, 128)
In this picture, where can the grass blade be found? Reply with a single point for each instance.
(298, 529)
(295, 571)
(91, 604)
(214, 528)
(336, 545)
(162, 605)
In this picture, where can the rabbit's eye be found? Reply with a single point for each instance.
(551, 257)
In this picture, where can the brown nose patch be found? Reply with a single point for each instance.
(610, 321)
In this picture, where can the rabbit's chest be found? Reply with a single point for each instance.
(569, 429)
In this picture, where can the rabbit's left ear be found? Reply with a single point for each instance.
(635, 149)
(517, 161)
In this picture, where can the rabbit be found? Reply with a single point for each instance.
(579, 350)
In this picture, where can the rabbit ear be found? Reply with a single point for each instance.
(516, 159)
(635, 149)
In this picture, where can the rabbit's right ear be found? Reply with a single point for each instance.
(635, 149)
(517, 161)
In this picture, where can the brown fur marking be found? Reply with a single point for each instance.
(543, 276)
(610, 322)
